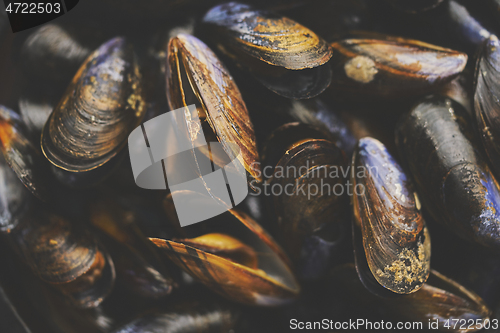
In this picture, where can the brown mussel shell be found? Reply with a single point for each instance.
(101, 106)
(22, 155)
(271, 283)
(68, 258)
(283, 55)
(440, 298)
(387, 213)
(487, 99)
(392, 67)
(455, 184)
(311, 205)
(276, 40)
(136, 259)
(196, 76)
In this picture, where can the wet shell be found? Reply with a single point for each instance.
(22, 155)
(309, 196)
(196, 76)
(136, 261)
(16, 198)
(53, 52)
(387, 214)
(270, 283)
(281, 54)
(101, 106)
(487, 99)
(454, 182)
(66, 257)
(392, 67)
(276, 40)
(440, 298)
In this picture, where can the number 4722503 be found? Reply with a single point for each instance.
(33, 8)
(466, 324)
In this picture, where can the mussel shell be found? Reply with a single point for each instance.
(137, 263)
(454, 182)
(53, 52)
(272, 283)
(414, 6)
(387, 211)
(101, 106)
(487, 99)
(392, 67)
(285, 137)
(302, 84)
(15, 198)
(22, 155)
(276, 40)
(317, 113)
(307, 190)
(187, 316)
(52, 248)
(440, 298)
(217, 93)
(93, 287)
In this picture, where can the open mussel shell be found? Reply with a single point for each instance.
(137, 263)
(387, 213)
(436, 142)
(285, 56)
(487, 99)
(414, 6)
(236, 259)
(22, 155)
(309, 195)
(101, 106)
(196, 76)
(68, 258)
(392, 67)
(440, 300)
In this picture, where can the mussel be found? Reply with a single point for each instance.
(66, 257)
(308, 190)
(454, 182)
(383, 66)
(52, 51)
(196, 76)
(22, 155)
(188, 316)
(320, 115)
(137, 264)
(236, 258)
(283, 55)
(101, 106)
(388, 220)
(440, 302)
(487, 99)
(15, 198)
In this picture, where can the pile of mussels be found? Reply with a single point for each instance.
(389, 110)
